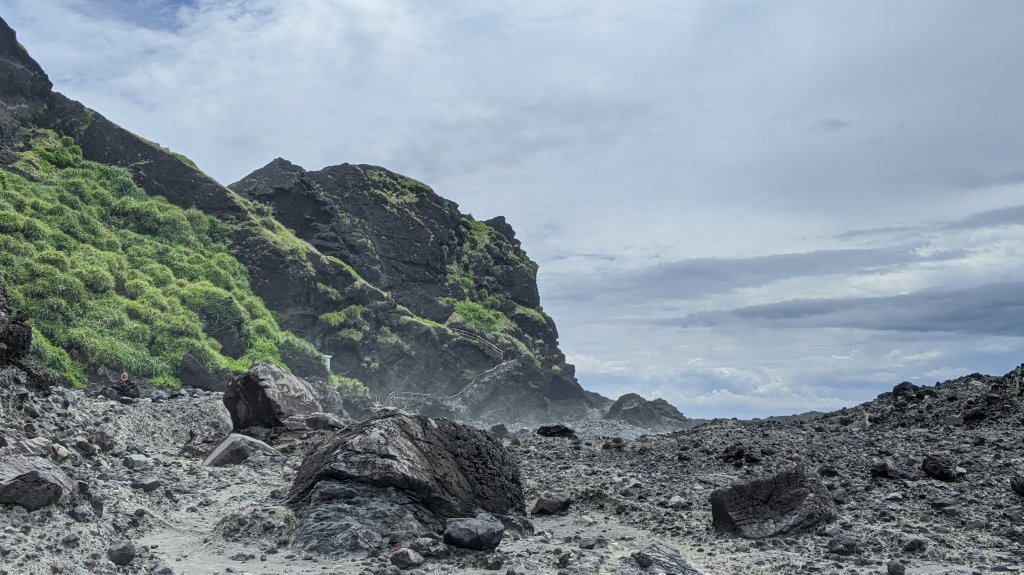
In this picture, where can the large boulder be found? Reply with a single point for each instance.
(657, 414)
(395, 476)
(789, 502)
(236, 449)
(32, 482)
(266, 396)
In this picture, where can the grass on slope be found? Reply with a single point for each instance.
(111, 276)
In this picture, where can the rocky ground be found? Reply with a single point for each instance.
(140, 488)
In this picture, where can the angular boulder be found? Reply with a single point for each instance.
(398, 475)
(266, 396)
(15, 333)
(32, 482)
(552, 503)
(793, 501)
(235, 449)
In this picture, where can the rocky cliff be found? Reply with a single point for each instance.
(419, 303)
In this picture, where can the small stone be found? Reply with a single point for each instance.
(896, 568)
(552, 502)
(406, 558)
(81, 514)
(135, 461)
(494, 561)
(147, 484)
(1017, 483)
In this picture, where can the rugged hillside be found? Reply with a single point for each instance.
(127, 257)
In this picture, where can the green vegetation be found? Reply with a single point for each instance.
(350, 316)
(349, 385)
(394, 188)
(113, 277)
(388, 337)
(475, 316)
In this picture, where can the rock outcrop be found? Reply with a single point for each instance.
(792, 501)
(656, 415)
(266, 396)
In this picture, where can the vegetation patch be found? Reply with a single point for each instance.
(349, 385)
(113, 277)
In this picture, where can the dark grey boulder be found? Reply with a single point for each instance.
(266, 396)
(122, 553)
(656, 558)
(793, 501)
(1017, 483)
(452, 468)
(396, 476)
(406, 558)
(193, 373)
(32, 482)
(552, 502)
(556, 430)
(941, 467)
(481, 533)
(235, 449)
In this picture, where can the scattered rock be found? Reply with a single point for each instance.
(235, 449)
(482, 533)
(406, 558)
(552, 502)
(656, 558)
(135, 461)
(32, 482)
(122, 553)
(557, 430)
(792, 501)
(1017, 483)
(941, 467)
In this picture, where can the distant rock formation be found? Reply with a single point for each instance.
(656, 415)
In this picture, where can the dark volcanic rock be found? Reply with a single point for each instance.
(397, 475)
(235, 449)
(941, 467)
(122, 553)
(658, 415)
(792, 501)
(552, 502)
(452, 468)
(193, 373)
(481, 533)
(1017, 483)
(556, 430)
(656, 558)
(31, 482)
(266, 396)
(15, 333)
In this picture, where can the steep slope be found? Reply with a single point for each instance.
(426, 315)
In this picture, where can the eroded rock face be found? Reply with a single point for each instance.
(31, 482)
(266, 396)
(397, 475)
(792, 501)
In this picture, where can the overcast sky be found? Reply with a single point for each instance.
(748, 208)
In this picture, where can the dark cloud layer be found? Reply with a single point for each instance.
(695, 278)
(990, 309)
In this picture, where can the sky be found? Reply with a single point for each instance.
(747, 208)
